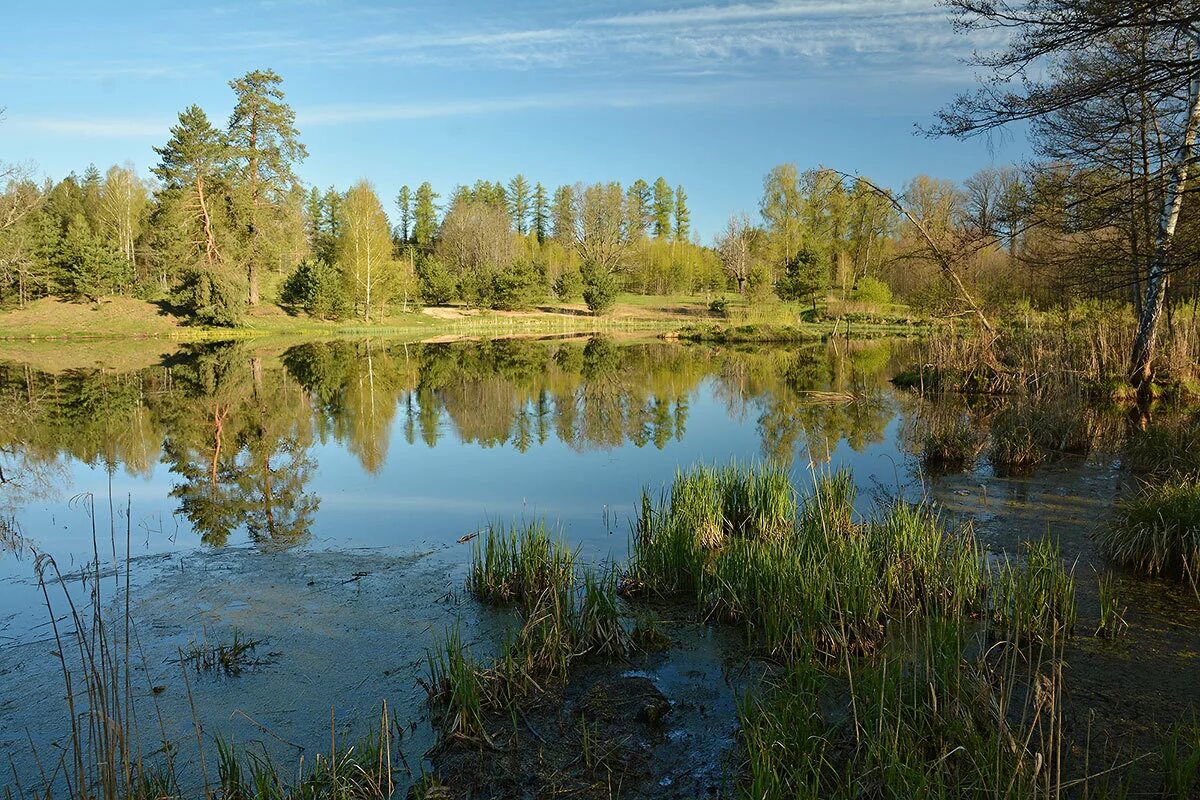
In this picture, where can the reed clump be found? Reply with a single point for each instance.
(1157, 531)
(1112, 614)
(1034, 599)
(829, 581)
(229, 657)
(925, 719)
(566, 614)
(1166, 448)
(519, 563)
(951, 444)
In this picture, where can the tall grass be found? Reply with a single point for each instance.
(1157, 532)
(1036, 597)
(925, 719)
(826, 581)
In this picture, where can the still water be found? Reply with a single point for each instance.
(345, 445)
(319, 498)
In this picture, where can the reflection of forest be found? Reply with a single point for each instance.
(236, 427)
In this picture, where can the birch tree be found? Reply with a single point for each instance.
(365, 253)
(1067, 65)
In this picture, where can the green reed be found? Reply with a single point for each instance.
(826, 579)
(923, 719)
(1036, 597)
(1112, 614)
(1157, 531)
(519, 564)
(951, 444)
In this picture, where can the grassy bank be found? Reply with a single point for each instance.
(129, 318)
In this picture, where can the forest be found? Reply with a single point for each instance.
(224, 224)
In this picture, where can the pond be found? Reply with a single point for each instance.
(320, 498)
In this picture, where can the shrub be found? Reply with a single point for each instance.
(719, 307)
(568, 285)
(872, 290)
(438, 286)
(600, 289)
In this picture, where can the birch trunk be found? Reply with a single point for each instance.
(1141, 369)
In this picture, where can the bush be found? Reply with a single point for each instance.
(519, 286)
(568, 285)
(211, 297)
(872, 290)
(719, 307)
(316, 287)
(438, 286)
(600, 289)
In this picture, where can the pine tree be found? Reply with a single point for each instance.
(541, 212)
(265, 145)
(662, 208)
(192, 162)
(637, 202)
(562, 214)
(518, 203)
(424, 216)
(683, 217)
(404, 203)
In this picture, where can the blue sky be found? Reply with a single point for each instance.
(707, 94)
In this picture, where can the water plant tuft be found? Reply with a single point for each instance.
(1157, 531)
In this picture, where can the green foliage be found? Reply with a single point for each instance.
(872, 290)
(805, 274)
(90, 268)
(316, 287)
(568, 285)
(1157, 531)
(600, 288)
(520, 286)
(1036, 598)
(437, 284)
(211, 297)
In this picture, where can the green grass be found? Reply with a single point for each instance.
(1157, 531)
(519, 564)
(813, 578)
(1112, 614)
(951, 444)
(1034, 599)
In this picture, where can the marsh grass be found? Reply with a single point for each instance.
(951, 444)
(1181, 761)
(1157, 531)
(829, 582)
(1112, 614)
(455, 684)
(519, 564)
(1166, 448)
(1035, 598)
(229, 657)
(935, 716)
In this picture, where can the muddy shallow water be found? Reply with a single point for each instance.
(312, 498)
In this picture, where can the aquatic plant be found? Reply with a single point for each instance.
(455, 684)
(519, 564)
(951, 444)
(923, 719)
(1112, 614)
(1157, 531)
(1166, 448)
(1034, 598)
(1016, 446)
(830, 582)
(1181, 761)
(228, 657)
(599, 627)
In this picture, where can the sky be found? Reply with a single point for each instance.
(709, 95)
